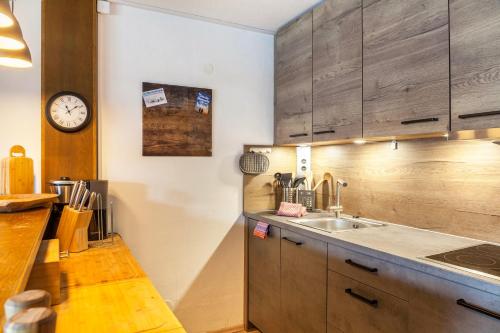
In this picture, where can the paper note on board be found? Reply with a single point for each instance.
(154, 97)
(202, 102)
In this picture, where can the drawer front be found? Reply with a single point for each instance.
(377, 273)
(356, 307)
(439, 305)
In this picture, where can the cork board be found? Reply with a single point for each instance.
(176, 120)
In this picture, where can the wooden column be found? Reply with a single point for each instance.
(69, 63)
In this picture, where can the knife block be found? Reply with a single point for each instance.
(72, 230)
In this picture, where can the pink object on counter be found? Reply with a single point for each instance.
(291, 210)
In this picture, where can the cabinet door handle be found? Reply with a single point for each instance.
(480, 114)
(292, 241)
(479, 309)
(363, 267)
(371, 302)
(298, 135)
(324, 132)
(415, 121)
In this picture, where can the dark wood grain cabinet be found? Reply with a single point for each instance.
(303, 284)
(475, 64)
(337, 70)
(293, 82)
(405, 67)
(264, 279)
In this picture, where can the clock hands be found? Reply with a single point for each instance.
(69, 111)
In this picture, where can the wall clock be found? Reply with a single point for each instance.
(68, 111)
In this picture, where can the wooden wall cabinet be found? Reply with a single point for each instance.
(405, 67)
(264, 279)
(475, 64)
(293, 82)
(303, 283)
(337, 70)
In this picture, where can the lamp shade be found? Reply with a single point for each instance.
(16, 58)
(11, 38)
(6, 17)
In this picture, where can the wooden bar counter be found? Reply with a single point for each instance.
(20, 237)
(103, 289)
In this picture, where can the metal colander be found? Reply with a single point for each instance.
(254, 163)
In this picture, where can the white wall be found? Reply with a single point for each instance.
(20, 92)
(181, 215)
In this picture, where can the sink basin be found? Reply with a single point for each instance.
(331, 224)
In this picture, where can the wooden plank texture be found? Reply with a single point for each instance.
(69, 63)
(433, 184)
(337, 70)
(475, 63)
(405, 66)
(175, 128)
(293, 82)
(20, 237)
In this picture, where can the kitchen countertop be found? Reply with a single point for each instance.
(402, 245)
(105, 290)
(20, 237)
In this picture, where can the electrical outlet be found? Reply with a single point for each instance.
(303, 160)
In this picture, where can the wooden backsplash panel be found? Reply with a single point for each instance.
(259, 190)
(446, 186)
(69, 62)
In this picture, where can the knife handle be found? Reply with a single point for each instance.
(73, 193)
(84, 199)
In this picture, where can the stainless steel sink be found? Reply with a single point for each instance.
(332, 224)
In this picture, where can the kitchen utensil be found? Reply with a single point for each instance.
(62, 187)
(91, 201)
(79, 194)
(286, 179)
(84, 200)
(289, 194)
(74, 189)
(307, 198)
(277, 176)
(298, 181)
(32, 320)
(19, 202)
(17, 175)
(318, 184)
(254, 163)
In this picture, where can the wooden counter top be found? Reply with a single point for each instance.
(20, 237)
(105, 290)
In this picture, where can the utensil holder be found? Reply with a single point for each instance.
(289, 194)
(72, 230)
(307, 199)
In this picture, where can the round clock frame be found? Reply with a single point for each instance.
(54, 124)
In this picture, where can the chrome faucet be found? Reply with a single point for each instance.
(337, 209)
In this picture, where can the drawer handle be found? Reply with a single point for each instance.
(480, 114)
(415, 121)
(371, 302)
(324, 132)
(298, 135)
(292, 241)
(479, 309)
(363, 267)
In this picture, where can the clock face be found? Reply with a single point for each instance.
(68, 112)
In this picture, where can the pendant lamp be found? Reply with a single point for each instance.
(14, 51)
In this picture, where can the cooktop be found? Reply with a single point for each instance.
(483, 259)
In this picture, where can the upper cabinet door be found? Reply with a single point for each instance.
(475, 64)
(293, 113)
(405, 67)
(337, 70)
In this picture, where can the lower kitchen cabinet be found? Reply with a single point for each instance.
(442, 306)
(356, 307)
(264, 280)
(303, 284)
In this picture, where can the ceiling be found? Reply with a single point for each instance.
(260, 15)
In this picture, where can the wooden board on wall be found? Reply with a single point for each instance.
(176, 128)
(69, 63)
(450, 187)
